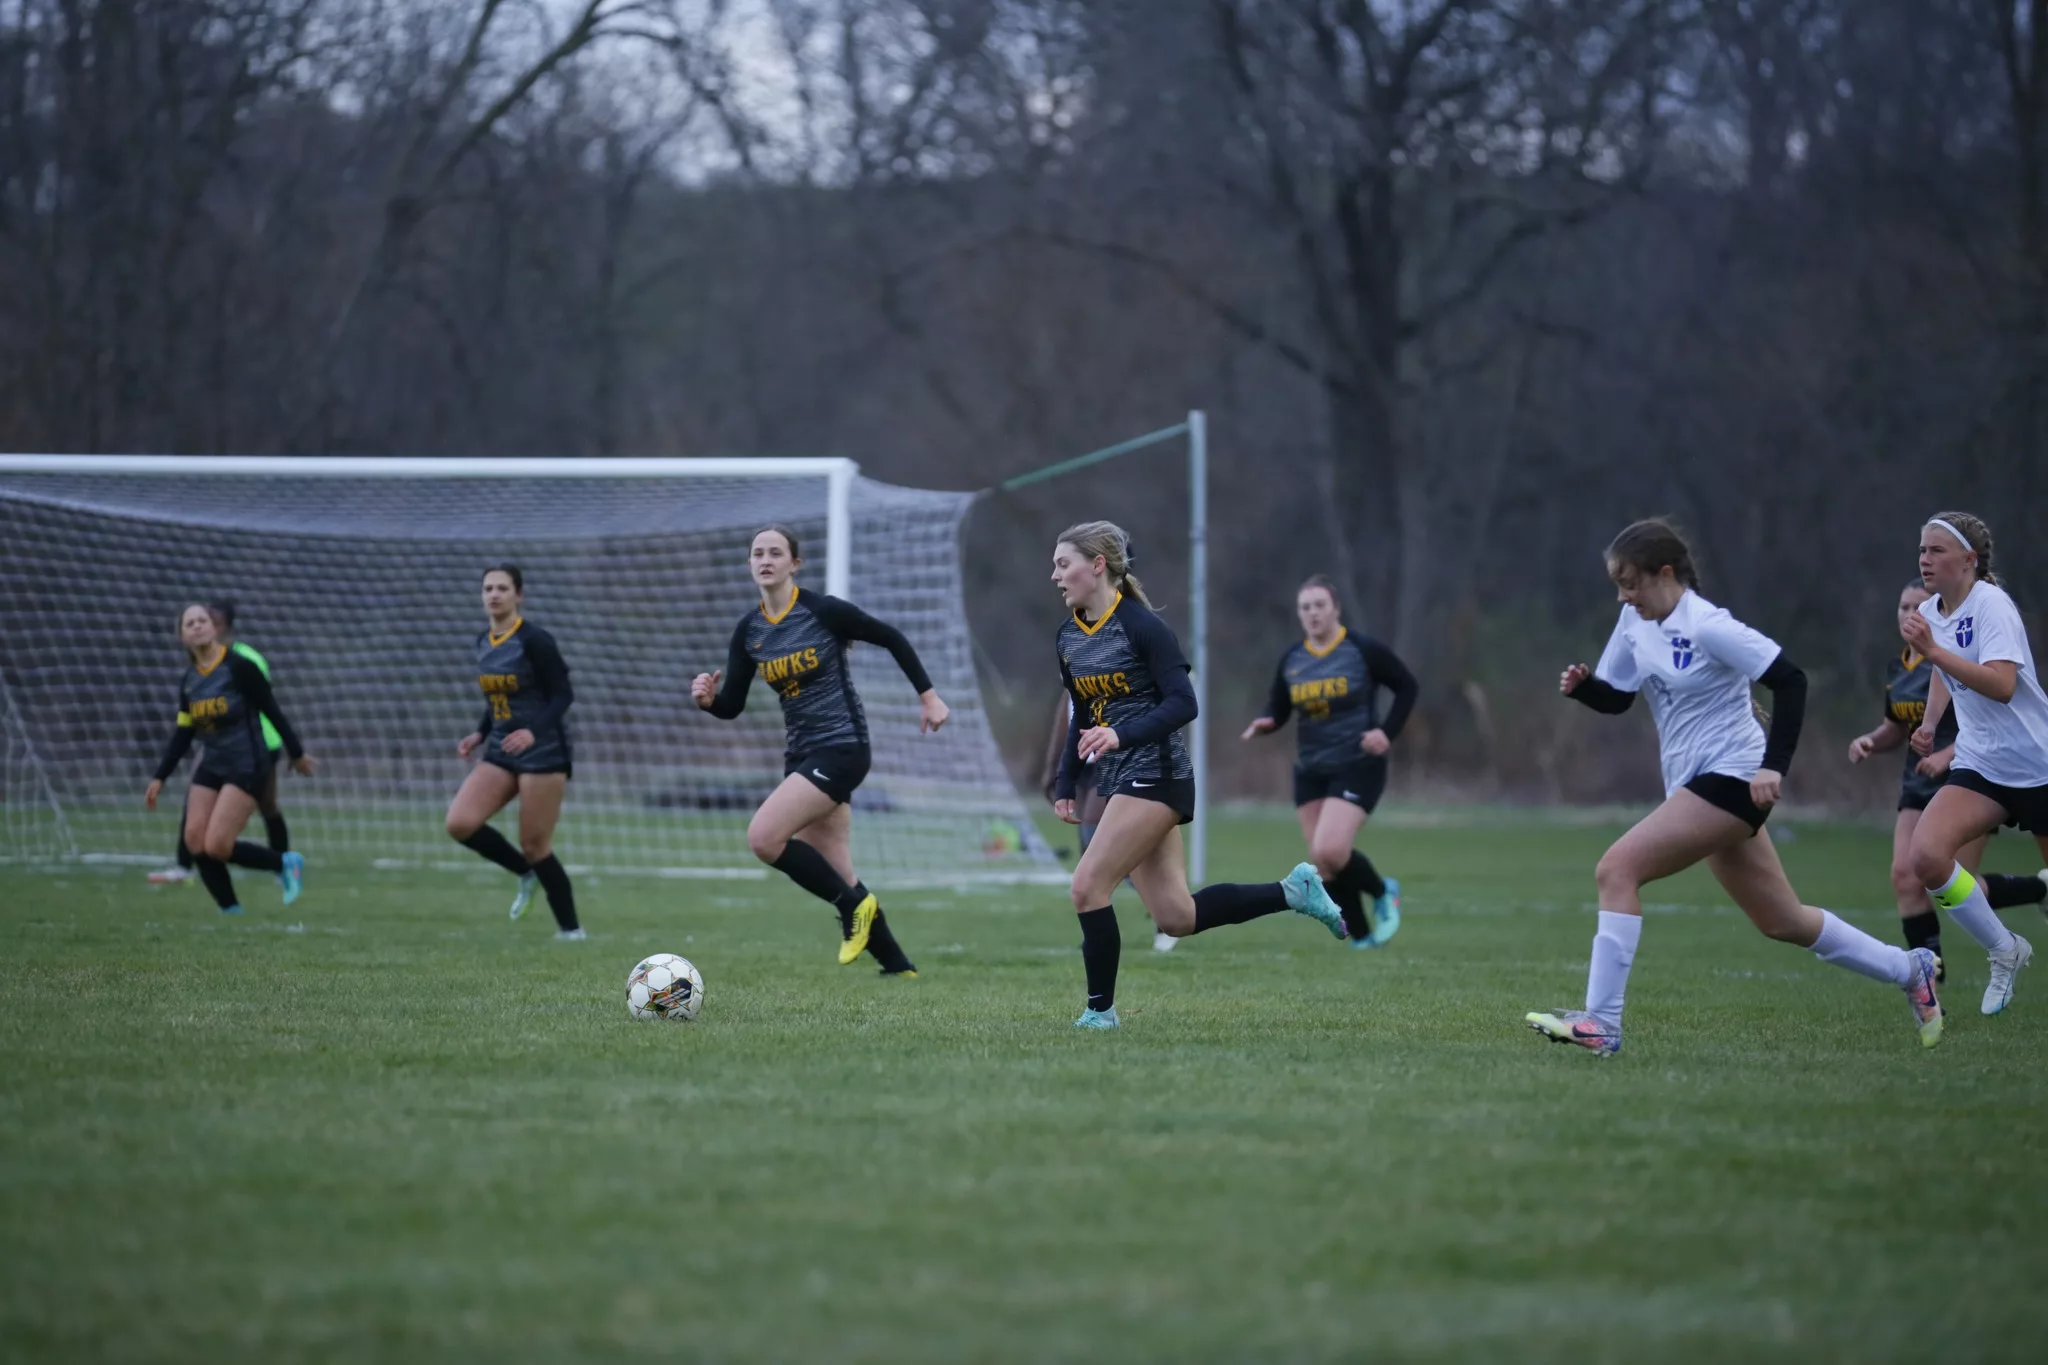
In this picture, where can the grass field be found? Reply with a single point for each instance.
(387, 1125)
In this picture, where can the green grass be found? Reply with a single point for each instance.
(388, 1125)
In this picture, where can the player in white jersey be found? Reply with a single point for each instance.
(1971, 632)
(1722, 775)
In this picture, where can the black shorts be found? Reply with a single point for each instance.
(549, 753)
(2025, 807)
(1361, 782)
(1730, 794)
(1176, 793)
(836, 771)
(253, 782)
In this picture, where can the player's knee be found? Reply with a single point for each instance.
(1086, 895)
(535, 849)
(766, 845)
(1932, 866)
(1906, 880)
(1615, 877)
(459, 827)
(220, 846)
(1330, 859)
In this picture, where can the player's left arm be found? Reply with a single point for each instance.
(849, 622)
(1757, 657)
(255, 689)
(1162, 657)
(1386, 670)
(551, 672)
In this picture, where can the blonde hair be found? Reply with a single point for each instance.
(1976, 537)
(1109, 541)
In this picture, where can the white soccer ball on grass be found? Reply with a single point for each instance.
(665, 986)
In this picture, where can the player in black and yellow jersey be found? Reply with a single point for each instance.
(223, 700)
(797, 643)
(1132, 699)
(524, 735)
(1909, 684)
(1332, 679)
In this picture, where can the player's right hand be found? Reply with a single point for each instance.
(1923, 741)
(1264, 725)
(1064, 808)
(467, 745)
(1569, 680)
(704, 688)
(1861, 748)
(156, 789)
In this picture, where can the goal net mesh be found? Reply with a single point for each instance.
(363, 595)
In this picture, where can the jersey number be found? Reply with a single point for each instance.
(1316, 710)
(1096, 709)
(501, 706)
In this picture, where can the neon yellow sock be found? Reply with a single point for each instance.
(1957, 891)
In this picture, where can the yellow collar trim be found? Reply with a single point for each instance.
(1087, 629)
(1324, 653)
(794, 591)
(1911, 658)
(206, 670)
(497, 639)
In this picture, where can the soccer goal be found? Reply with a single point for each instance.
(358, 579)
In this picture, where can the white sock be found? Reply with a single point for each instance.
(1972, 910)
(1842, 944)
(1614, 949)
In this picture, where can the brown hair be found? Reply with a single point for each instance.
(511, 571)
(1976, 537)
(788, 536)
(1651, 545)
(1323, 581)
(1109, 541)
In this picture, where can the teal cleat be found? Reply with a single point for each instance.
(231, 909)
(293, 877)
(1306, 896)
(1386, 917)
(528, 884)
(1099, 1019)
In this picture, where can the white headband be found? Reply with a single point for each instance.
(1961, 539)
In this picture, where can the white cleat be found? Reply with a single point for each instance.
(570, 936)
(2004, 966)
(170, 876)
(1164, 943)
(527, 886)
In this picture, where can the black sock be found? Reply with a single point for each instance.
(277, 832)
(214, 874)
(490, 844)
(1922, 931)
(259, 856)
(1101, 946)
(1362, 874)
(848, 901)
(184, 850)
(887, 952)
(554, 879)
(2002, 890)
(1234, 903)
(1350, 904)
(809, 869)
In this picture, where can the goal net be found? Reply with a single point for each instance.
(359, 582)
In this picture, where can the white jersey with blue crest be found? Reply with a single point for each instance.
(1695, 666)
(2004, 742)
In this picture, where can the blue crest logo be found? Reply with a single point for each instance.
(1681, 652)
(1966, 631)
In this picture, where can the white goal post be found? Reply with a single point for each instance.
(358, 580)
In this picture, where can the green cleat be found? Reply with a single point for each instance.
(522, 898)
(1306, 896)
(1920, 995)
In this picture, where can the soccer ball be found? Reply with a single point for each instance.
(665, 987)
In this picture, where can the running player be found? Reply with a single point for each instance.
(798, 644)
(1906, 692)
(1132, 698)
(1722, 775)
(1088, 806)
(1971, 632)
(1333, 678)
(524, 735)
(276, 833)
(220, 700)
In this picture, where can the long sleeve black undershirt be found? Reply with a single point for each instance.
(551, 676)
(844, 620)
(1788, 712)
(1383, 669)
(1602, 696)
(1162, 657)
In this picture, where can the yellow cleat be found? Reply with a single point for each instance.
(856, 941)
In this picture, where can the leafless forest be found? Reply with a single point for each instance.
(1463, 286)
